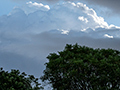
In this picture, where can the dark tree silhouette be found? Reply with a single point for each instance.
(83, 68)
(15, 80)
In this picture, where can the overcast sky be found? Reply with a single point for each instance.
(30, 30)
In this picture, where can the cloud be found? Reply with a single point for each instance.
(83, 19)
(64, 32)
(108, 36)
(110, 4)
(10, 61)
(74, 16)
(27, 37)
(30, 7)
(37, 5)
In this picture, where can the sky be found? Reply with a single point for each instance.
(109, 9)
(31, 30)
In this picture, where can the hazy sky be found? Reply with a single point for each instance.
(30, 30)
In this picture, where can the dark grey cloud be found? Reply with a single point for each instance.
(31, 66)
(57, 41)
(113, 5)
(31, 56)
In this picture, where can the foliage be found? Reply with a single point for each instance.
(15, 80)
(83, 68)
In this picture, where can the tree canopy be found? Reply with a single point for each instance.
(83, 68)
(15, 80)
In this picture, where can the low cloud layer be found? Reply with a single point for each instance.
(28, 34)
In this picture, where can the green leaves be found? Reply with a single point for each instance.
(83, 68)
(14, 80)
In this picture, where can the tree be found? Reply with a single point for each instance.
(15, 80)
(83, 68)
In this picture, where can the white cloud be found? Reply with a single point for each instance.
(31, 4)
(64, 31)
(113, 26)
(31, 7)
(83, 19)
(108, 36)
(67, 16)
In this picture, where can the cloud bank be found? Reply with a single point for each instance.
(68, 16)
(28, 34)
